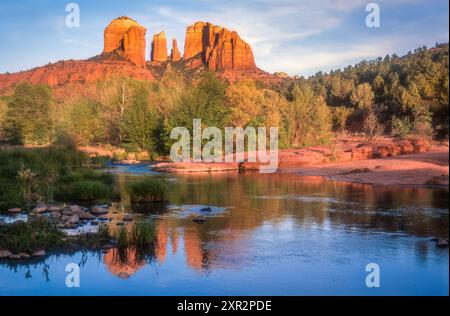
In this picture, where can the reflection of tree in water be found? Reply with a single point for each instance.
(44, 265)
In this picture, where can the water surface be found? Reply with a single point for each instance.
(276, 234)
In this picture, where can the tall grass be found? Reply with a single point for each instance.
(29, 237)
(148, 190)
(29, 175)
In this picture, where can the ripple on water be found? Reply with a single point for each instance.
(186, 211)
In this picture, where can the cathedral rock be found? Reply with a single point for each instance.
(219, 48)
(159, 48)
(126, 37)
(175, 53)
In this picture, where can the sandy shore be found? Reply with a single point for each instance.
(421, 169)
(384, 162)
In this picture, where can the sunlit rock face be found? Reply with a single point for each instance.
(175, 54)
(126, 37)
(219, 48)
(159, 47)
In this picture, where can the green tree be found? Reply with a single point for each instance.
(27, 119)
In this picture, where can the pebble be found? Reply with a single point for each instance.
(15, 210)
(39, 253)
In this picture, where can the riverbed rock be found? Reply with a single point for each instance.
(24, 255)
(55, 215)
(199, 219)
(40, 209)
(54, 208)
(67, 212)
(15, 210)
(76, 209)
(74, 220)
(98, 210)
(39, 253)
(86, 216)
(14, 257)
(64, 218)
(95, 223)
(206, 209)
(61, 225)
(5, 254)
(442, 243)
(128, 218)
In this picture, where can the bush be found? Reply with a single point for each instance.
(372, 126)
(29, 237)
(84, 190)
(148, 190)
(401, 127)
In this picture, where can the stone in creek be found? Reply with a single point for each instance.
(15, 210)
(199, 219)
(14, 257)
(75, 208)
(97, 210)
(442, 243)
(23, 255)
(86, 216)
(64, 218)
(61, 225)
(54, 208)
(104, 217)
(39, 209)
(75, 219)
(95, 223)
(56, 215)
(67, 212)
(128, 218)
(5, 254)
(39, 253)
(206, 209)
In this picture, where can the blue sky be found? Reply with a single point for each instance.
(295, 36)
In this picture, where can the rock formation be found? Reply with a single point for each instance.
(159, 47)
(175, 53)
(126, 37)
(219, 48)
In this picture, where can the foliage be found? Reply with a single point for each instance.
(27, 119)
(29, 237)
(148, 190)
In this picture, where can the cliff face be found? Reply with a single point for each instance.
(219, 48)
(159, 48)
(126, 37)
(175, 53)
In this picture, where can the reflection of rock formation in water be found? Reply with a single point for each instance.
(124, 263)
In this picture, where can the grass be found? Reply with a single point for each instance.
(29, 237)
(30, 175)
(140, 234)
(148, 190)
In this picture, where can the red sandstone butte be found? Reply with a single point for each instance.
(159, 47)
(219, 48)
(126, 37)
(175, 53)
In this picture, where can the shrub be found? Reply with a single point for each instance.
(84, 190)
(30, 236)
(372, 127)
(401, 127)
(148, 190)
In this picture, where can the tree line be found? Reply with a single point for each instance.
(403, 96)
